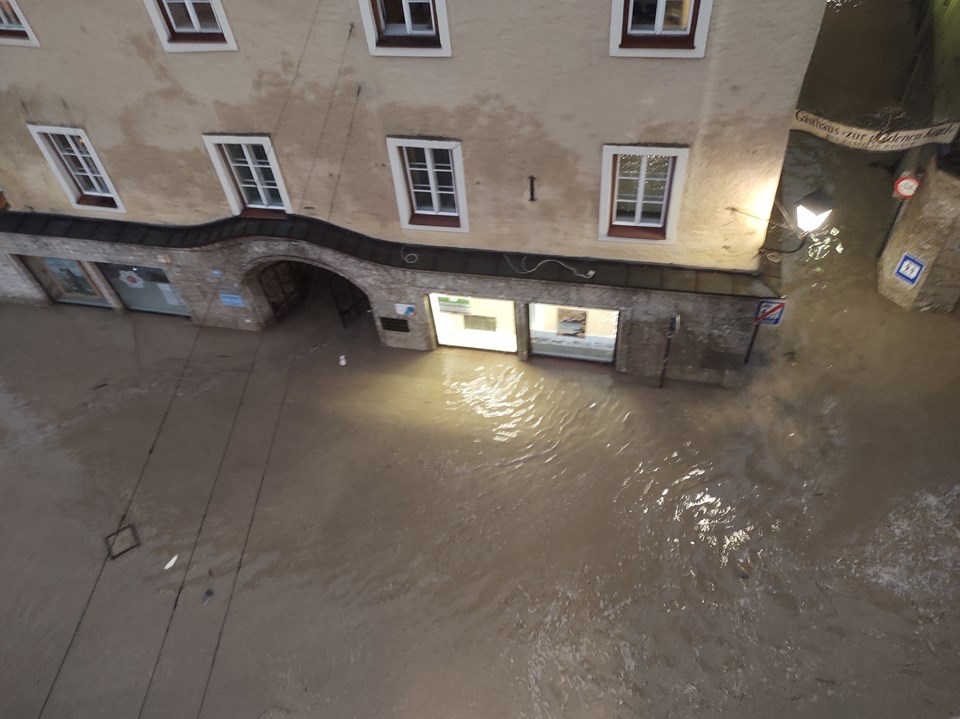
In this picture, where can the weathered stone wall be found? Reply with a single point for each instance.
(928, 229)
(711, 343)
(17, 285)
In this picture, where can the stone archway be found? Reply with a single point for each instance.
(281, 284)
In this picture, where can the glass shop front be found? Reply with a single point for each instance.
(146, 289)
(573, 332)
(475, 322)
(65, 281)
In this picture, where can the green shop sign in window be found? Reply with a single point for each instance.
(456, 305)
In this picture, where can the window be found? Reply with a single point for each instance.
(250, 175)
(406, 27)
(66, 281)
(640, 192)
(428, 179)
(191, 25)
(71, 156)
(659, 28)
(14, 29)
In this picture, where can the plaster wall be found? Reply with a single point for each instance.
(530, 90)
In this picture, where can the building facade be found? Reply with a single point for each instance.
(565, 174)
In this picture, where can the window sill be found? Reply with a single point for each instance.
(97, 201)
(628, 232)
(263, 213)
(198, 42)
(664, 52)
(657, 42)
(431, 221)
(85, 203)
(426, 42)
(18, 37)
(416, 49)
(197, 37)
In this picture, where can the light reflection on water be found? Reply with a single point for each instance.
(537, 423)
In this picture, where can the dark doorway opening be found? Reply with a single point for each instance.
(289, 286)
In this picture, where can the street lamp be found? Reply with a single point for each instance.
(813, 210)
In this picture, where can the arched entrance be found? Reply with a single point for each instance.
(289, 286)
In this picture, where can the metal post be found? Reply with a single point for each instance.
(671, 331)
(753, 338)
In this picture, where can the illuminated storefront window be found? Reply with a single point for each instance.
(573, 332)
(66, 281)
(144, 288)
(474, 322)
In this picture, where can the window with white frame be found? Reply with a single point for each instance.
(77, 167)
(429, 184)
(191, 25)
(249, 172)
(406, 27)
(659, 28)
(14, 29)
(640, 192)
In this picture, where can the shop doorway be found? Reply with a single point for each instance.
(290, 286)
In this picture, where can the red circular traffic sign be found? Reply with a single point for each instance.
(906, 186)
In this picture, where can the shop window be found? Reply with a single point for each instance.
(144, 288)
(659, 28)
(65, 281)
(429, 184)
(14, 29)
(642, 186)
(406, 27)
(475, 322)
(573, 332)
(77, 167)
(191, 25)
(250, 174)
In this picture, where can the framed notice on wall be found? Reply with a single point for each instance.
(571, 323)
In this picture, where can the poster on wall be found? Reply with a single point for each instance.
(71, 278)
(571, 323)
(454, 305)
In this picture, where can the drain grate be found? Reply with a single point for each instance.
(122, 541)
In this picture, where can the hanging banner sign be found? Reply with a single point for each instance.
(861, 138)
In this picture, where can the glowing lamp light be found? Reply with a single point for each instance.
(813, 210)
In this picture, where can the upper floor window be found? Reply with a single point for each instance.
(250, 174)
(429, 184)
(78, 169)
(659, 28)
(14, 29)
(191, 25)
(641, 191)
(406, 27)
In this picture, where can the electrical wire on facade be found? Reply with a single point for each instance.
(524, 271)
